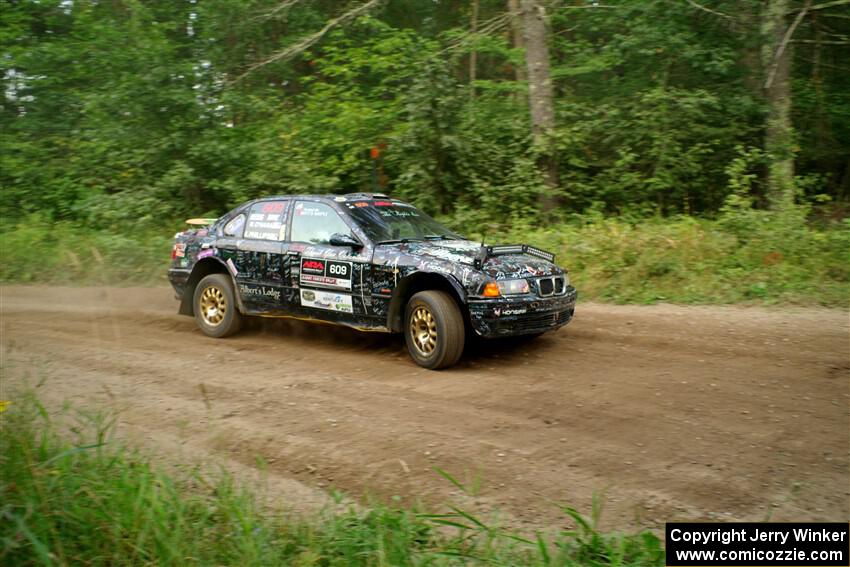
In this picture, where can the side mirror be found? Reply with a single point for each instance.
(339, 239)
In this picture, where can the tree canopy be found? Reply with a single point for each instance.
(139, 110)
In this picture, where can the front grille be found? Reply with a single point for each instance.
(559, 286)
(555, 285)
(539, 322)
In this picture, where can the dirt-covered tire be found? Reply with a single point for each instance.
(216, 312)
(433, 329)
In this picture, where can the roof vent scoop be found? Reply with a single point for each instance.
(366, 196)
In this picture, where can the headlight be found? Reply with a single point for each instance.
(513, 287)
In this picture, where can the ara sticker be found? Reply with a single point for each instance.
(320, 272)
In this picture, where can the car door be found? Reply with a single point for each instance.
(332, 282)
(259, 265)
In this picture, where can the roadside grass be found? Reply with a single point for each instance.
(744, 256)
(39, 251)
(763, 259)
(70, 494)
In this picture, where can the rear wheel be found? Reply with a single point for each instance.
(433, 329)
(216, 313)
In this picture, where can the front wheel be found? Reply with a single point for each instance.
(216, 313)
(433, 329)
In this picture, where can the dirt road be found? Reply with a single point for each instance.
(674, 413)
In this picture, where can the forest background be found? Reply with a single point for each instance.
(666, 150)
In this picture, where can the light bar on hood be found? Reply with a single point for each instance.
(520, 249)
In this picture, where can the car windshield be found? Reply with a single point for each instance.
(392, 221)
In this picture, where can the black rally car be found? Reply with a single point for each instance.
(368, 262)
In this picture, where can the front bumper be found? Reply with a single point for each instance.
(526, 315)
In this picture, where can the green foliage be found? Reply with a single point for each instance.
(117, 117)
(746, 255)
(39, 251)
(118, 111)
(90, 500)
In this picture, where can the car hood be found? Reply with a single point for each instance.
(437, 255)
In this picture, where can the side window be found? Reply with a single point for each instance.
(234, 226)
(315, 223)
(267, 221)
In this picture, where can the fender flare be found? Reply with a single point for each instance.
(420, 281)
(201, 269)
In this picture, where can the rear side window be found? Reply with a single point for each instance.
(267, 221)
(315, 223)
(234, 226)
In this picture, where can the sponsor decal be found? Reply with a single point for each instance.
(514, 311)
(231, 266)
(179, 250)
(206, 253)
(382, 204)
(259, 291)
(325, 273)
(267, 224)
(276, 207)
(498, 312)
(313, 266)
(398, 213)
(361, 204)
(327, 300)
(309, 210)
(339, 199)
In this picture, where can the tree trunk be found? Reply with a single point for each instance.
(473, 55)
(540, 97)
(844, 188)
(779, 143)
(516, 36)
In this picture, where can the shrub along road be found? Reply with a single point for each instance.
(674, 413)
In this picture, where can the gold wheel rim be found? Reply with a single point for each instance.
(423, 330)
(213, 306)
